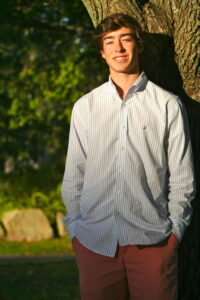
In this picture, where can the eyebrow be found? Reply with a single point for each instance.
(121, 35)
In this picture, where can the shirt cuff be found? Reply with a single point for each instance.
(178, 229)
(70, 224)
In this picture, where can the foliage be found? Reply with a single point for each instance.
(47, 62)
(46, 65)
(37, 189)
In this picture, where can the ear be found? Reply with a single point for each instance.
(102, 54)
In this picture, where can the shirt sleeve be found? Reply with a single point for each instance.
(181, 170)
(74, 170)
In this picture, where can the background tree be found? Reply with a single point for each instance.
(170, 59)
(43, 59)
(46, 58)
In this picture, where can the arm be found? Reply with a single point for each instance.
(181, 171)
(74, 169)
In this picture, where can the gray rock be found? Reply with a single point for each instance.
(27, 225)
(2, 233)
(59, 224)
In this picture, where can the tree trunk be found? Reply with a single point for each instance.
(170, 59)
(162, 20)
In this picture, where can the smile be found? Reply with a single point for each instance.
(120, 58)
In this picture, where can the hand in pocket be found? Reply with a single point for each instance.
(174, 240)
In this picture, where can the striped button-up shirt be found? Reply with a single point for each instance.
(129, 171)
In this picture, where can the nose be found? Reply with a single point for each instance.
(119, 46)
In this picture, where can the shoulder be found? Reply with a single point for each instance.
(160, 92)
(83, 105)
(92, 96)
(164, 97)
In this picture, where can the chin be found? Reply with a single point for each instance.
(122, 70)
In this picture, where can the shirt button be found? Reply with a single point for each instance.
(122, 148)
(120, 170)
(117, 213)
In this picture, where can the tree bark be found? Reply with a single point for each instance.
(170, 59)
(174, 19)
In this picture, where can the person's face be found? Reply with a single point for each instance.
(121, 52)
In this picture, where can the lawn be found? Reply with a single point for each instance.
(39, 280)
(56, 246)
(30, 276)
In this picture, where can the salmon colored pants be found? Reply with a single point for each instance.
(139, 272)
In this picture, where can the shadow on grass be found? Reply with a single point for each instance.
(39, 280)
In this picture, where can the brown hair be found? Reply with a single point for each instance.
(115, 22)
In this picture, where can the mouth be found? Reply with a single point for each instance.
(120, 58)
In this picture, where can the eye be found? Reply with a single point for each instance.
(109, 43)
(127, 40)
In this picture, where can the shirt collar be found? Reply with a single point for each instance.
(139, 85)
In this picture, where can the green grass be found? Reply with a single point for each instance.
(52, 246)
(39, 280)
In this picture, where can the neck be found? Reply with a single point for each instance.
(123, 82)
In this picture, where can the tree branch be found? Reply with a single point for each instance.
(101, 9)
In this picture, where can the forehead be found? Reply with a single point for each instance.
(117, 33)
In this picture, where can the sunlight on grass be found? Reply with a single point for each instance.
(52, 246)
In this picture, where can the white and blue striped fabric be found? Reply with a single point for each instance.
(129, 171)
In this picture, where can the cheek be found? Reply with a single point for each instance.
(106, 55)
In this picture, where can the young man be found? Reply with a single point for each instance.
(129, 179)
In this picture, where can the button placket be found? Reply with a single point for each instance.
(120, 164)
